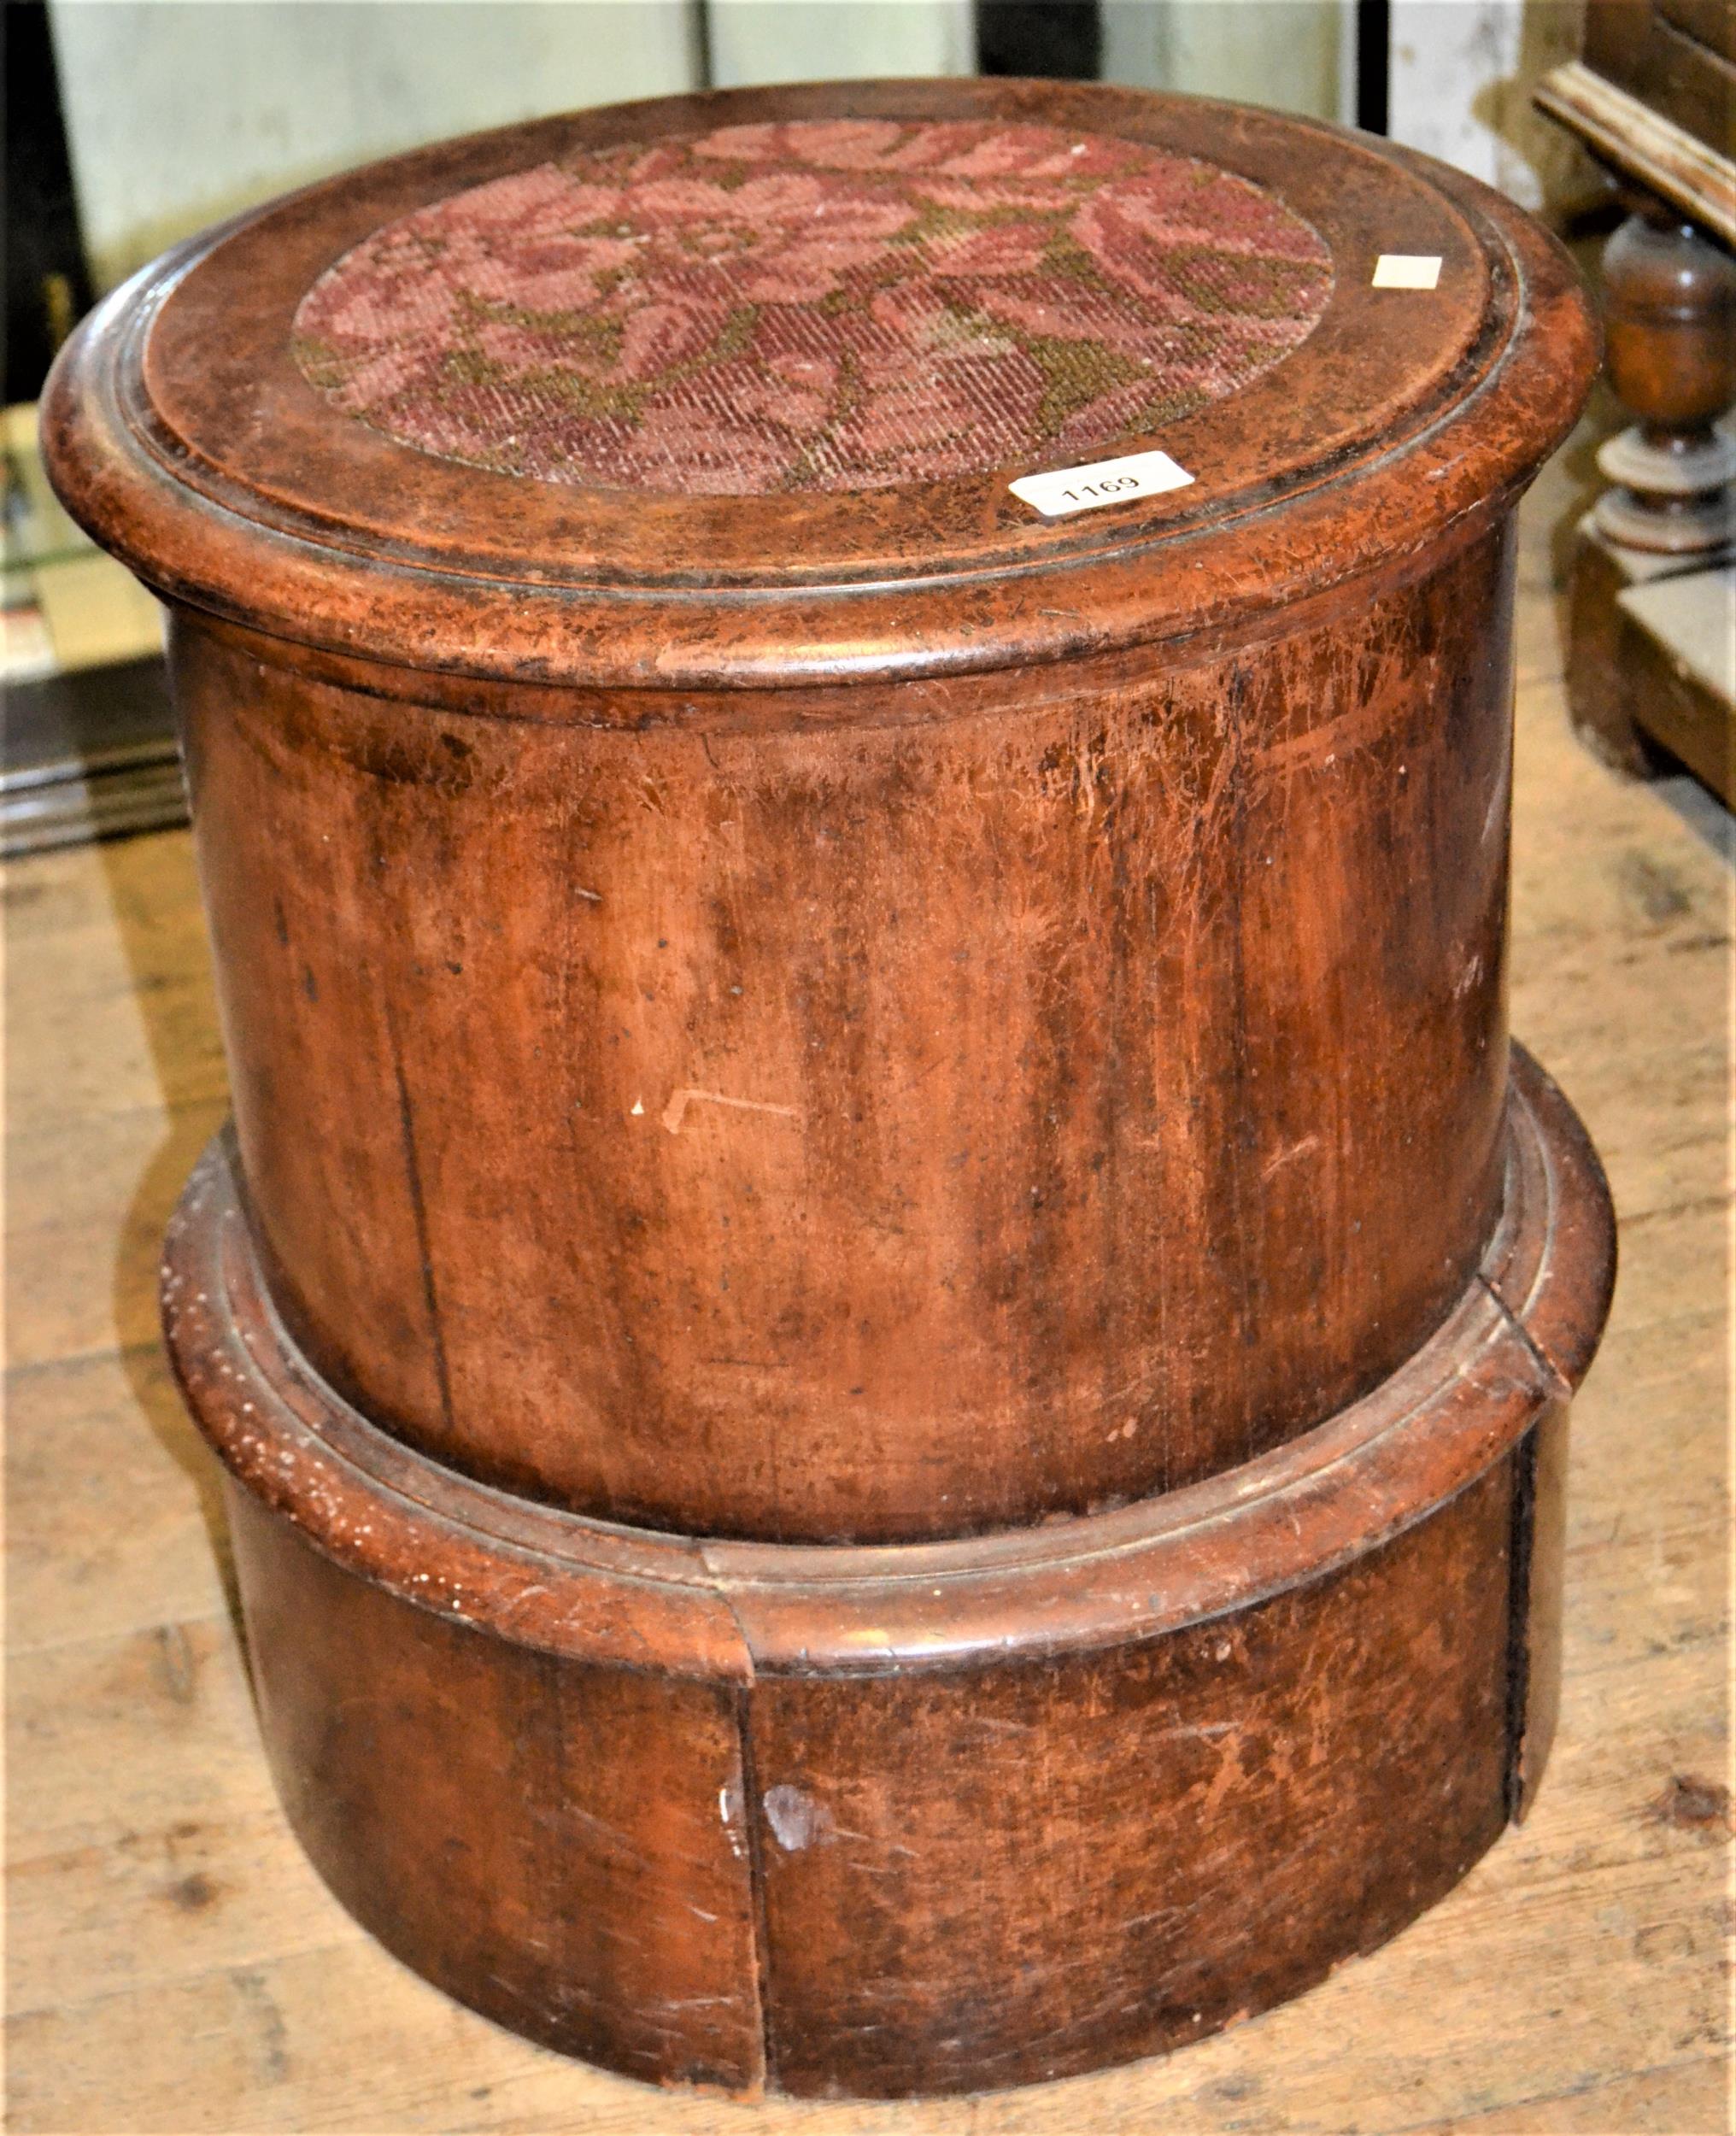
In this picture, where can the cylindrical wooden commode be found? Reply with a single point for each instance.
(890, 1324)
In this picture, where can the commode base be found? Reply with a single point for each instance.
(931, 1818)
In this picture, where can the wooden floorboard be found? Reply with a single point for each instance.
(173, 1962)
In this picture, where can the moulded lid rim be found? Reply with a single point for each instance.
(148, 494)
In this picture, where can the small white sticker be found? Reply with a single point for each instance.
(1104, 481)
(1407, 271)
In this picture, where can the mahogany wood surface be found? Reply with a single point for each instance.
(891, 1340)
(871, 1133)
(175, 1963)
(965, 1041)
(941, 1817)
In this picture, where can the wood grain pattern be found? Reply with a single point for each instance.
(177, 1965)
(1675, 57)
(960, 1042)
(911, 1821)
(1009, 1114)
(616, 1925)
(1072, 1864)
(1120, 984)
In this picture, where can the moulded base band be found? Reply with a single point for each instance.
(934, 1818)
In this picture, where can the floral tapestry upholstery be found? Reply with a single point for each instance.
(827, 305)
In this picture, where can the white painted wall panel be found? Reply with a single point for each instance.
(1293, 55)
(182, 111)
(837, 40)
(1460, 86)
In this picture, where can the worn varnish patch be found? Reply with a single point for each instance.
(1032, 1869)
(552, 1844)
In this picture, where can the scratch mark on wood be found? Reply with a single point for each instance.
(1289, 1156)
(676, 1111)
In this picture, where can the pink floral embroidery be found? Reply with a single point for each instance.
(838, 304)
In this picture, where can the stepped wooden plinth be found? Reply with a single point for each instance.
(940, 1816)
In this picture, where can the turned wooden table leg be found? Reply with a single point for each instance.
(1671, 323)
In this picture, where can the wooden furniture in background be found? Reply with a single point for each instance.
(1653, 657)
(947, 1064)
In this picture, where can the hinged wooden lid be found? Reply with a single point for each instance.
(731, 389)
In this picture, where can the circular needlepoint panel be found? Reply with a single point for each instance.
(759, 384)
(827, 304)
